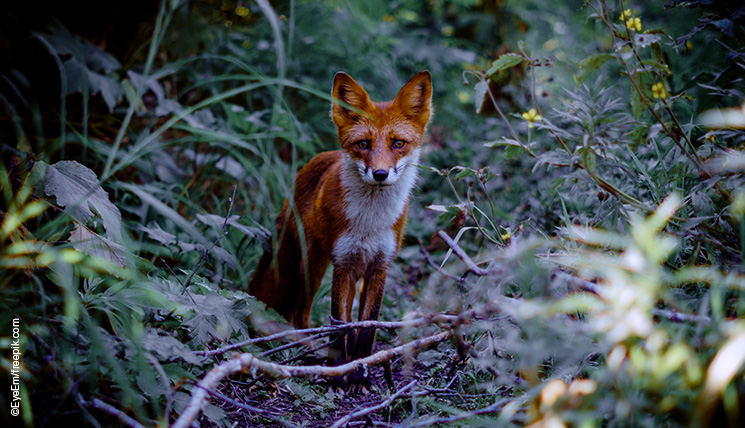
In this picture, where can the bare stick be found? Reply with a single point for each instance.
(246, 407)
(493, 408)
(472, 267)
(124, 418)
(179, 281)
(436, 319)
(434, 265)
(358, 414)
(249, 362)
(224, 231)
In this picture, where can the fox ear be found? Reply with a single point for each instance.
(347, 90)
(414, 100)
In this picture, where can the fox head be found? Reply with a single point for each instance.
(382, 140)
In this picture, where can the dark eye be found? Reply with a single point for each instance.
(399, 144)
(363, 144)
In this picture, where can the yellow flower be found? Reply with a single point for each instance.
(531, 116)
(241, 11)
(632, 22)
(659, 90)
(463, 96)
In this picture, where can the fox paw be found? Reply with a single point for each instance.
(359, 382)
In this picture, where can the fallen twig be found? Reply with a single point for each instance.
(472, 266)
(124, 418)
(247, 361)
(427, 257)
(367, 410)
(328, 329)
(247, 407)
(493, 408)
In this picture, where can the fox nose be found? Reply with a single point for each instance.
(380, 175)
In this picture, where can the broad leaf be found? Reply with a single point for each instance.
(590, 64)
(504, 62)
(76, 188)
(95, 245)
(480, 88)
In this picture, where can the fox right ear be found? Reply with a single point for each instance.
(348, 91)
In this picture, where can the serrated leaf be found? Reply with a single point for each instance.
(76, 188)
(480, 88)
(93, 244)
(216, 316)
(590, 64)
(504, 62)
(156, 233)
(165, 347)
(81, 78)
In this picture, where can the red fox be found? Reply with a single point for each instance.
(352, 206)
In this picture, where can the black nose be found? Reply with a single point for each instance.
(380, 175)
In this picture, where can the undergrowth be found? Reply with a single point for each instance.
(574, 254)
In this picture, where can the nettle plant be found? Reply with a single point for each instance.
(646, 260)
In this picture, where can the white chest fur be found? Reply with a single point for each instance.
(372, 212)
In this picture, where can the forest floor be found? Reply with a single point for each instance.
(287, 400)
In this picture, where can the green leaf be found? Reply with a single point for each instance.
(156, 233)
(93, 244)
(465, 172)
(504, 62)
(658, 65)
(588, 159)
(513, 152)
(481, 87)
(644, 81)
(590, 64)
(76, 188)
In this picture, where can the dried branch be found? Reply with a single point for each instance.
(328, 329)
(249, 362)
(262, 412)
(367, 410)
(431, 262)
(224, 231)
(472, 266)
(124, 418)
(493, 408)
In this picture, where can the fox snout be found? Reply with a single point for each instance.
(384, 175)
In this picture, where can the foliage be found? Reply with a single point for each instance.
(593, 171)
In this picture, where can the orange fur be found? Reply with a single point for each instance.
(352, 206)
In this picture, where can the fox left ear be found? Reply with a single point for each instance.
(414, 100)
(347, 90)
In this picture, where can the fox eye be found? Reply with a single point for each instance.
(363, 144)
(399, 144)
